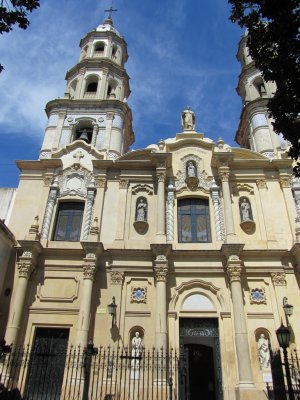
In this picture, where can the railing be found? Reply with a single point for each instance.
(104, 373)
(278, 390)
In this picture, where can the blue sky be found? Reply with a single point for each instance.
(181, 53)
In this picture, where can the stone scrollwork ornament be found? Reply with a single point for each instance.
(116, 278)
(161, 272)
(138, 295)
(278, 278)
(234, 273)
(258, 296)
(89, 270)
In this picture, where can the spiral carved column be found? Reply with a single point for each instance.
(49, 211)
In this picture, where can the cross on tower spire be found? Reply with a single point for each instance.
(110, 11)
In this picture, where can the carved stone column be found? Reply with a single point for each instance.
(160, 273)
(285, 183)
(279, 284)
(95, 133)
(123, 185)
(170, 211)
(49, 210)
(103, 83)
(100, 183)
(90, 198)
(218, 211)
(161, 203)
(234, 271)
(229, 223)
(89, 270)
(25, 266)
(79, 91)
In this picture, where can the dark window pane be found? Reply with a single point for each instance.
(68, 223)
(193, 221)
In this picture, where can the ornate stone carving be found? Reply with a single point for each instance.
(269, 154)
(89, 270)
(116, 277)
(123, 183)
(142, 187)
(224, 176)
(89, 211)
(218, 211)
(278, 278)
(138, 294)
(100, 182)
(95, 227)
(170, 211)
(45, 154)
(47, 179)
(161, 176)
(49, 211)
(185, 178)
(77, 156)
(74, 183)
(234, 272)
(161, 272)
(285, 181)
(261, 184)
(258, 296)
(25, 268)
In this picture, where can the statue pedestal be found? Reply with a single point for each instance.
(141, 227)
(248, 226)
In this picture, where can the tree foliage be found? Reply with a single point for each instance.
(274, 45)
(15, 12)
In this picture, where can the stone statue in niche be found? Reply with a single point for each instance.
(137, 345)
(263, 351)
(191, 169)
(245, 210)
(136, 355)
(141, 210)
(188, 120)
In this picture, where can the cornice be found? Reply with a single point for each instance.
(47, 163)
(87, 104)
(98, 63)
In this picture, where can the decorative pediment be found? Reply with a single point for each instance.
(192, 177)
(142, 187)
(74, 182)
(242, 187)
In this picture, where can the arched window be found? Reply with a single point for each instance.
(99, 47)
(68, 222)
(84, 132)
(193, 221)
(114, 51)
(111, 89)
(92, 87)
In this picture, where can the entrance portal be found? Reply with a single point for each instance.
(200, 364)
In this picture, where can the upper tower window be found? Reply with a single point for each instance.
(193, 221)
(91, 86)
(111, 89)
(114, 52)
(84, 131)
(99, 49)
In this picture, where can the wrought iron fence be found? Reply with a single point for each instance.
(104, 373)
(277, 390)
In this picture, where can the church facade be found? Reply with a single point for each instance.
(192, 243)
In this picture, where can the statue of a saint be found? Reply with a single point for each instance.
(191, 170)
(263, 351)
(137, 345)
(188, 120)
(141, 210)
(245, 210)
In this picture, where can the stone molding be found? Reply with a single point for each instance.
(25, 268)
(218, 212)
(161, 176)
(234, 272)
(89, 270)
(261, 183)
(123, 183)
(285, 181)
(161, 272)
(100, 182)
(116, 277)
(278, 278)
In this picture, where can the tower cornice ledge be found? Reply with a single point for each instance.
(97, 64)
(39, 164)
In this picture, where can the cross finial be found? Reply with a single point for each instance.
(110, 11)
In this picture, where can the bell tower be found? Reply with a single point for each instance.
(255, 129)
(94, 108)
